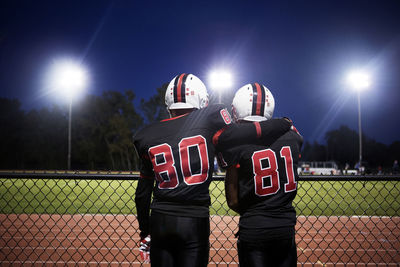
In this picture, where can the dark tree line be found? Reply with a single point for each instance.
(342, 147)
(102, 130)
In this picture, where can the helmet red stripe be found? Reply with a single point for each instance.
(259, 99)
(179, 88)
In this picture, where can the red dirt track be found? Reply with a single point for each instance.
(111, 240)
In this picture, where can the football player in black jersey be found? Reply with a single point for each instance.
(178, 154)
(261, 183)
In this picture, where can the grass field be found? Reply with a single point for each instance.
(117, 197)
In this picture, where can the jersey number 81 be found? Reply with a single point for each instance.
(272, 171)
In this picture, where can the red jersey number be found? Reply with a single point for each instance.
(164, 166)
(199, 142)
(164, 163)
(271, 172)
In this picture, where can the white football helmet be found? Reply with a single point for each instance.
(186, 91)
(253, 102)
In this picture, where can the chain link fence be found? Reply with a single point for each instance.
(80, 219)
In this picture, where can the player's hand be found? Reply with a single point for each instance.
(288, 119)
(292, 127)
(145, 249)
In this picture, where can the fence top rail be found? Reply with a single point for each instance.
(71, 175)
(349, 177)
(115, 175)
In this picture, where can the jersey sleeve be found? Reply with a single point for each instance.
(145, 166)
(144, 187)
(218, 116)
(265, 133)
(142, 201)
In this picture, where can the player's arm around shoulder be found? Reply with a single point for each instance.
(271, 130)
(265, 132)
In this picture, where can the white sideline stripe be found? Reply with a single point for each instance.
(319, 263)
(211, 249)
(324, 216)
(219, 234)
(45, 234)
(353, 216)
(319, 240)
(68, 248)
(46, 231)
(101, 262)
(83, 238)
(97, 248)
(85, 230)
(349, 249)
(66, 238)
(73, 262)
(221, 216)
(209, 263)
(376, 232)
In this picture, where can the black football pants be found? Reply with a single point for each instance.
(179, 241)
(276, 253)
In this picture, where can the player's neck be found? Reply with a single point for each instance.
(244, 122)
(180, 112)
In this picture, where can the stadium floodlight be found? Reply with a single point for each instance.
(69, 78)
(220, 80)
(359, 81)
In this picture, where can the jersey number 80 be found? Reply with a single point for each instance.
(164, 163)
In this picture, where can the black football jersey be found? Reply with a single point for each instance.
(179, 153)
(267, 181)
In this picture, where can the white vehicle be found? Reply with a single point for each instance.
(318, 168)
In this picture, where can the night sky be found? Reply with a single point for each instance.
(301, 50)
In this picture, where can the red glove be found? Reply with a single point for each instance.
(145, 249)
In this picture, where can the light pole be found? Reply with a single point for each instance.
(69, 133)
(359, 129)
(359, 81)
(220, 80)
(69, 78)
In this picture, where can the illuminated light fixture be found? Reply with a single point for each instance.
(358, 80)
(220, 80)
(68, 77)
